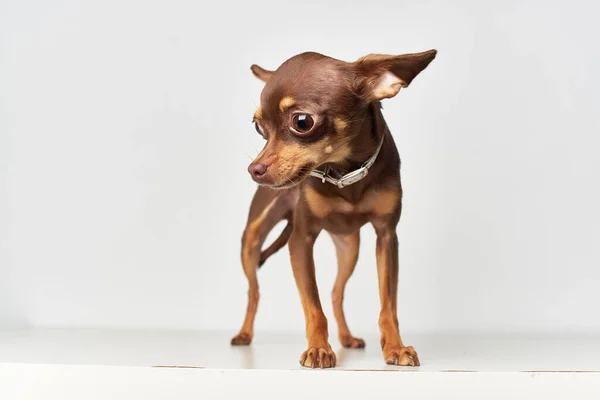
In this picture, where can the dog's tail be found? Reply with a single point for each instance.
(277, 244)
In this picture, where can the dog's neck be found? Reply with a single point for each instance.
(371, 133)
(365, 144)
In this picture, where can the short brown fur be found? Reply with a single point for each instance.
(343, 102)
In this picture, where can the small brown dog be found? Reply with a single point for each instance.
(321, 117)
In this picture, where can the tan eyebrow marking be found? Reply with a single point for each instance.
(258, 113)
(286, 103)
(339, 123)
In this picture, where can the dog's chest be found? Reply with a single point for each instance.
(336, 211)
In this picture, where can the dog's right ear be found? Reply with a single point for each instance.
(261, 73)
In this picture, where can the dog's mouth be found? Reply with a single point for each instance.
(302, 173)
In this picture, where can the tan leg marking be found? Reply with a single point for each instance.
(319, 353)
(394, 351)
(380, 202)
(251, 242)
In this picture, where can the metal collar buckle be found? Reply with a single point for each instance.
(350, 177)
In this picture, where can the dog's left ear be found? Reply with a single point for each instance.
(382, 76)
(260, 72)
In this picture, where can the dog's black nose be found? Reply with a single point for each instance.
(257, 170)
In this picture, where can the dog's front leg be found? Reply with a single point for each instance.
(319, 353)
(394, 352)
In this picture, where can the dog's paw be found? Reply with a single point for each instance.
(350, 342)
(398, 355)
(318, 358)
(241, 339)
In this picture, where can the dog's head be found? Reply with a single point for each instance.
(312, 107)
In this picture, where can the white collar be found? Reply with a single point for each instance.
(350, 177)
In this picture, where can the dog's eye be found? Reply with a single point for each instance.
(259, 129)
(302, 123)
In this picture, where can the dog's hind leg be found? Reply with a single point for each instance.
(281, 241)
(346, 247)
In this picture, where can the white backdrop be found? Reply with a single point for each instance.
(125, 135)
